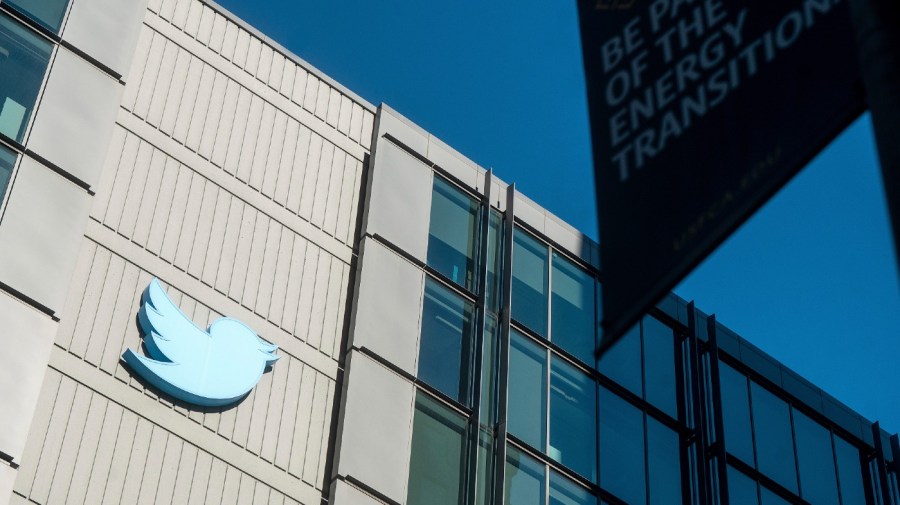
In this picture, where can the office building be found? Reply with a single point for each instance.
(435, 327)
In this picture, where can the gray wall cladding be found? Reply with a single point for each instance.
(234, 176)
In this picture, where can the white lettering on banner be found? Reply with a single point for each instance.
(709, 55)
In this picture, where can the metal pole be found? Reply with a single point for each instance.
(877, 27)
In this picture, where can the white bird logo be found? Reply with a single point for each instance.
(209, 368)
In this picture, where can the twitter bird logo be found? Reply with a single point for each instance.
(209, 368)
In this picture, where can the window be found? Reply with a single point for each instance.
(47, 13)
(572, 310)
(663, 464)
(446, 341)
(438, 457)
(815, 460)
(741, 489)
(527, 397)
(494, 261)
(849, 472)
(524, 479)
(774, 444)
(452, 234)
(23, 62)
(529, 285)
(654, 342)
(621, 448)
(565, 492)
(736, 413)
(573, 421)
(7, 161)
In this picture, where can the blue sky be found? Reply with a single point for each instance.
(811, 278)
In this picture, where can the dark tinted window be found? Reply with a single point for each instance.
(849, 472)
(621, 448)
(7, 161)
(736, 413)
(663, 464)
(48, 13)
(774, 444)
(527, 401)
(437, 460)
(573, 421)
(444, 349)
(565, 492)
(23, 62)
(529, 285)
(741, 489)
(572, 309)
(659, 365)
(489, 371)
(622, 362)
(767, 497)
(452, 233)
(494, 261)
(524, 479)
(818, 482)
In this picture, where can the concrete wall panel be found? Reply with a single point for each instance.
(39, 234)
(75, 117)
(106, 30)
(376, 427)
(343, 493)
(388, 306)
(27, 337)
(399, 199)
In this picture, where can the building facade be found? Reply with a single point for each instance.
(436, 329)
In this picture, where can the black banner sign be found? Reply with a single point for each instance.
(700, 111)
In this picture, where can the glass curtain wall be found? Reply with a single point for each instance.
(24, 56)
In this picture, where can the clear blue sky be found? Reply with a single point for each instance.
(811, 279)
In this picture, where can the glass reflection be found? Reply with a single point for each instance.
(565, 492)
(529, 283)
(663, 464)
(736, 413)
(621, 448)
(572, 309)
(527, 402)
(47, 13)
(741, 489)
(774, 444)
(524, 479)
(437, 459)
(622, 362)
(818, 481)
(23, 62)
(849, 472)
(452, 233)
(7, 162)
(573, 422)
(659, 366)
(445, 344)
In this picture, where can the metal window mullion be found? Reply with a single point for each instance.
(477, 361)
(698, 410)
(503, 361)
(718, 420)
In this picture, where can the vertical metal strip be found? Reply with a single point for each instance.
(698, 412)
(880, 462)
(477, 362)
(503, 372)
(718, 419)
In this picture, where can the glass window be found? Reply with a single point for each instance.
(494, 261)
(741, 489)
(438, 456)
(572, 309)
(663, 464)
(489, 371)
(659, 365)
(48, 13)
(774, 443)
(849, 472)
(622, 361)
(485, 479)
(452, 233)
(529, 283)
(444, 348)
(565, 492)
(527, 400)
(767, 497)
(524, 479)
(818, 482)
(621, 448)
(7, 161)
(736, 413)
(573, 421)
(23, 62)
